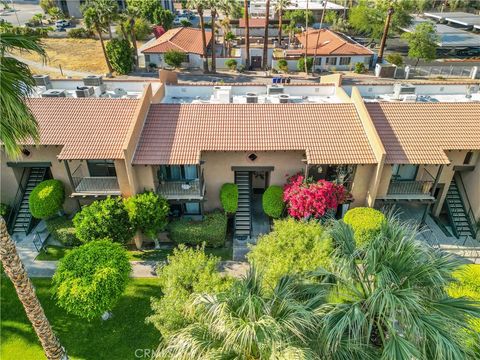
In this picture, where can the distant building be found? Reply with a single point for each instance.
(257, 7)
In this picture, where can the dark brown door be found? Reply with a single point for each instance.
(256, 62)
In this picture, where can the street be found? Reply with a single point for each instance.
(20, 13)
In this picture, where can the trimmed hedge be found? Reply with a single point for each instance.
(62, 230)
(229, 198)
(47, 198)
(212, 230)
(272, 201)
(148, 212)
(365, 222)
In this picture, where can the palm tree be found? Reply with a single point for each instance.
(231, 10)
(133, 12)
(318, 36)
(247, 322)
(199, 5)
(213, 5)
(247, 34)
(391, 297)
(265, 36)
(228, 38)
(17, 125)
(96, 21)
(280, 7)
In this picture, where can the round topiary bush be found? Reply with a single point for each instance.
(365, 222)
(105, 219)
(272, 201)
(90, 279)
(46, 199)
(229, 198)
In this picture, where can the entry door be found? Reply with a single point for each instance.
(256, 62)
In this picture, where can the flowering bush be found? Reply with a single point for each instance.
(312, 199)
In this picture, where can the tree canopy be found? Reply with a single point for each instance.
(422, 42)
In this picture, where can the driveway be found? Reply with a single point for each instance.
(20, 12)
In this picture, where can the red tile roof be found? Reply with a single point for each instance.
(188, 40)
(88, 128)
(330, 43)
(419, 133)
(178, 133)
(252, 23)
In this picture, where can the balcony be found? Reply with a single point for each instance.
(84, 184)
(181, 189)
(410, 190)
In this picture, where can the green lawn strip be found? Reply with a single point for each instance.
(52, 253)
(116, 338)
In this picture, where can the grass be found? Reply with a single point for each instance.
(116, 338)
(52, 253)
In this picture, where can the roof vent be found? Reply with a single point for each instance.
(284, 98)
(119, 92)
(403, 89)
(42, 80)
(93, 80)
(252, 98)
(275, 89)
(84, 91)
(54, 93)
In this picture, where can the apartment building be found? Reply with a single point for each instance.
(185, 140)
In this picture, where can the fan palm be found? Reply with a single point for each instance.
(247, 34)
(17, 125)
(199, 6)
(265, 36)
(280, 7)
(246, 322)
(214, 6)
(390, 297)
(231, 9)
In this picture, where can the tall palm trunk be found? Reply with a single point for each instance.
(26, 293)
(280, 24)
(204, 40)
(265, 38)
(306, 40)
(134, 40)
(247, 35)
(110, 69)
(214, 65)
(318, 37)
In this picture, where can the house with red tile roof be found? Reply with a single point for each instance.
(183, 39)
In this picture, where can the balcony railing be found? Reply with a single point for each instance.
(410, 187)
(101, 185)
(181, 189)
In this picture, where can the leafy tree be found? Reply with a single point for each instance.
(369, 17)
(90, 279)
(282, 65)
(148, 213)
(46, 199)
(164, 18)
(104, 219)
(272, 201)
(188, 271)
(119, 54)
(246, 322)
(299, 17)
(390, 297)
(141, 28)
(280, 7)
(292, 247)
(185, 23)
(56, 13)
(46, 5)
(301, 64)
(228, 39)
(145, 8)
(174, 58)
(231, 64)
(395, 59)
(422, 42)
(229, 193)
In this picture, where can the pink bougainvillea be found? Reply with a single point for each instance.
(312, 199)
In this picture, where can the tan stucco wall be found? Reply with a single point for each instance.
(145, 176)
(39, 154)
(8, 181)
(218, 169)
(385, 177)
(471, 180)
(361, 184)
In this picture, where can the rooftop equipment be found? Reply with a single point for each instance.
(274, 89)
(93, 80)
(84, 91)
(252, 98)
(43, 80)
(284, 98)
(399, 90)
(54, 93)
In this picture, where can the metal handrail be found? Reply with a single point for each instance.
(18, 198)
(469, 211)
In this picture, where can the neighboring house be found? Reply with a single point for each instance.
(183, 39)
(335, 51)
(184, 141)
(256, 28)
(257, 7)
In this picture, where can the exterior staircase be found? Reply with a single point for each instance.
(21, 220)
(243, 220)
(457, 212)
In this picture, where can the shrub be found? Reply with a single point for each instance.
(211, 230)
(142, 29)
(90, 279)
(185, 23)
(62, 230)
(282, 65)
(188, 271)
(174, 58)
(301, 64)
(231, 64)
(104, 219)
(80, 33)
(4, 210)
(229, 198)
(119, 53)
(272, 201)
(46, 199)
(307, 199)
(359, 68)
(148, 212)
(365, 222)
(395, 59)
(292, 247)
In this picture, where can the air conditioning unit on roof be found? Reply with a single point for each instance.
(275, 89)
(403, 89)
(93, 80)
(54, 93)
(42, 80)
(84, 91)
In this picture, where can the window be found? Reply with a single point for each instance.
(192, 208)
(178, 172)
(404, 172)
(331, 61)
(345, 60)
(147, 59)
(101, 168)
(187, 58)
(189, 208)
(318, 61)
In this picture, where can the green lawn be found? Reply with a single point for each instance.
(116, 338)
(52, 252)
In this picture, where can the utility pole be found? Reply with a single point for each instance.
(318, 36)
(306, 40)
(385, 34)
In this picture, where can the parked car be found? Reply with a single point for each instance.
(62, 24)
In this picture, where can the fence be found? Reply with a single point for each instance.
(440, 71)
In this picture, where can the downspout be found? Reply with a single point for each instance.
(432, 193)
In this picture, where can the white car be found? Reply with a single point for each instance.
(62, 23)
